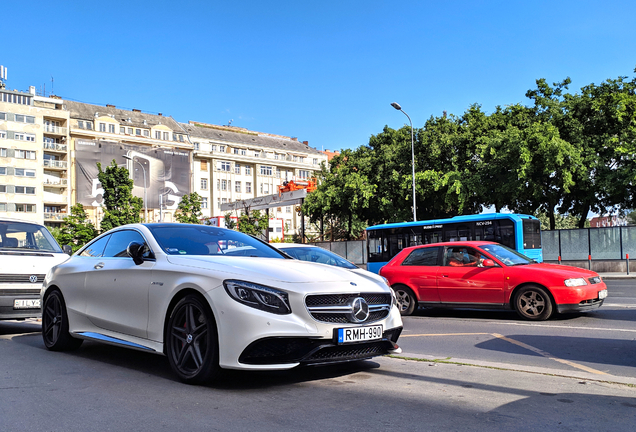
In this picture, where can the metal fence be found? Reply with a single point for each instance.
(613, 243)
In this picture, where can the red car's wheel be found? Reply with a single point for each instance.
(406, 300)
(533, 303)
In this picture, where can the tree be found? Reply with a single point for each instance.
(77, 229)
(189, 209)
(229, 222)
(121, 207)
(253, 222)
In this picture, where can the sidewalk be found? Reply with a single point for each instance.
(616, 275)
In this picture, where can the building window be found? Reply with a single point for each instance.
(218, 184)
(21, 172)
(222, 149)
(237, 168)
(265, 188)
(237, 186)
(204, 202)
(3, 116)
(25, 208)
(166, 136)
(213, 148)
(204, 165)
(3, 170)
(3, 189)
(181, 139)
(276, 156)
(3, 152)
(26, 190)
(196, 146)
(304, 174)
(248, 170)
(315, 161)
(3, 207)
(223, 185)
(146, 133)
(204, 184)
(138, 132)
(236, 151)
(257, 154)
(158, 135)
(24, 118)
(248, 187)
(224, 166)
(24, 137)
(218, 203)
(25, 154)
(288, 209)
(266, 170)
(3, 134)
(243, 152)
(122, 130)
(102, 127)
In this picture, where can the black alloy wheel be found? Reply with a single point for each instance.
(406, 301)
(55, 324)
(533, 303)
(191, 344)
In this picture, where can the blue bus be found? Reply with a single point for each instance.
(519, 232)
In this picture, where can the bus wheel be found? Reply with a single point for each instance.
(406, 300)
(533, 303)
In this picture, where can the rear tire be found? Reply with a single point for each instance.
(533, 303)
(55, 332)
(406, 300)
(192, 342)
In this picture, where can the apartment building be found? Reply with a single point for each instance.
(34, 157)
(234, 164)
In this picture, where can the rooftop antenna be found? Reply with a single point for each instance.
(3, 76)
(230, 122)
(52, 91)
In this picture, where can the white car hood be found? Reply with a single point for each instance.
(277, 270)
(30, 263)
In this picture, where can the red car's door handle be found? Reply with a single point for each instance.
(444, 275)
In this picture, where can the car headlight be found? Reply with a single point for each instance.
(575, 282)
(258, 296)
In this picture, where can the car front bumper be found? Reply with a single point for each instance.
(8, 296)
(584, 306)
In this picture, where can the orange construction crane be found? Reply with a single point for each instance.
(292, 185)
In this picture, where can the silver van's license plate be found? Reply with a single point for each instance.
(26, 304)
(359, 334)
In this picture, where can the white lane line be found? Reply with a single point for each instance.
(564, 327)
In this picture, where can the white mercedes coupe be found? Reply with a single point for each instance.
(211, 298)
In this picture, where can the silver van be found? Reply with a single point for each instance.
(27, 252)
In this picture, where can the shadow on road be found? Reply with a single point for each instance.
(15, 327)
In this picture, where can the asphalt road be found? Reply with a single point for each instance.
(103, 388)
(602, 342)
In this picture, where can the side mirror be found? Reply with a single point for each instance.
(67, 249)
(136, 251)
(488, 263)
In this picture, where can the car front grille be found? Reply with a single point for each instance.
(19, 292)
(20, 278)
(282, 350)
(338, 308)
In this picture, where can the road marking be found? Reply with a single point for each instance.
(549, 356)
(563, 327)
(619, 305)
(443, 334)
(521, 344)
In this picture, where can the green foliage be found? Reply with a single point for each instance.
(253, 222)
(77, 229)
(229, 222)
(631, 217)
(566, 221)
(121, 207)
(189, 209)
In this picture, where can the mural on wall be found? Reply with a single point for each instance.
(166, 172)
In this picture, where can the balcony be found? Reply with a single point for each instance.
(55, 130)
(55, 147)
(55, 216)
(55, 164)
(55, 183)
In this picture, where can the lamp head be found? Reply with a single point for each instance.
(396, 106)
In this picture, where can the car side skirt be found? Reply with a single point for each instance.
(464, 305)
(110, 340)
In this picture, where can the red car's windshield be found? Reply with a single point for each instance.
(506, 255)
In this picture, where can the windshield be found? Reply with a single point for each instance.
(23, 236)
(185, 239)
(506, 255)
(318, 255)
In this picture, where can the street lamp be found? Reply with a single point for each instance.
(399, 108)
(144, 171)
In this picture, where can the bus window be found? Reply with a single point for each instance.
(506, 234)
(531, 234)
(432, 237)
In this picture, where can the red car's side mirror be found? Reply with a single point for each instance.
(488, 263)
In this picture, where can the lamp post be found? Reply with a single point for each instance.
(399, 108)
(144, 171)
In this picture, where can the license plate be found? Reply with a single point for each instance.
(602, 294)
(359, 334)
(26, 304)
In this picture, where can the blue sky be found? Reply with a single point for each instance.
(325, 72)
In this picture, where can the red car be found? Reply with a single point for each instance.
(486, 275)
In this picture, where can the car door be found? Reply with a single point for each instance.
(419, 271)
(117, 288)
(469, 283)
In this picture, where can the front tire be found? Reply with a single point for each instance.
(533, 303)
(55, 332)
(406, 300)
(191, 341)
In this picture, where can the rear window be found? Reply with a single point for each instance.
(422, 257)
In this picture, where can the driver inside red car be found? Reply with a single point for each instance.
(462, 258)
